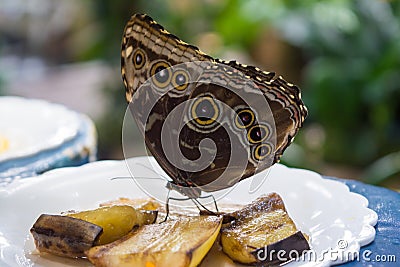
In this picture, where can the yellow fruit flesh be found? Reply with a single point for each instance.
(258, 225)
(202, 251)
(138, 203)
(182, 242)
(256, 232)
(116, 221)
(4, 144)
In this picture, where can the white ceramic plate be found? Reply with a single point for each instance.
(31, 126)
(337, 220)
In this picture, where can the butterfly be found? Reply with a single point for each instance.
(209, 123)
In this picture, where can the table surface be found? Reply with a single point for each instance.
(385, 249)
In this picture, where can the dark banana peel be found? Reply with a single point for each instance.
(64, 236)
(259, 231)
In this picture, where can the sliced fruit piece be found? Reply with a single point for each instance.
(64, 236)
(151, 204)
(137, 203)
(116, 221)
(181, 242)
(258, 229)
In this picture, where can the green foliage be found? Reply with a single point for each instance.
(353, 80)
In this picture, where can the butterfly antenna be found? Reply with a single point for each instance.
(150, 169)
(136, 177)
(121, 177)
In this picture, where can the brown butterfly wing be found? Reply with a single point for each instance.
(148, 51)
(284, 99)
(145, 45)
(236, 151)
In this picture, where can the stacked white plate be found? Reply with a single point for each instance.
(36, 136)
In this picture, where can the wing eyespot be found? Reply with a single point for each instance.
(205, 111)
(262, 151)
(160, 73)
(258, 133)
(180, 80)
(244, 118)
(139, 58)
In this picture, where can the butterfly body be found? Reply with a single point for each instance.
(208, 123)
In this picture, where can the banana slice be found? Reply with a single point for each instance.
(72, 234)
(262, 233)
(116, 221)
(178, 243)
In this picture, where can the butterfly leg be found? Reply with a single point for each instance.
(205, 210)
(166, 208)
(215, 202)
(226, 217)
(167, 205)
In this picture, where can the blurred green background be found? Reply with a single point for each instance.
(344, 55)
